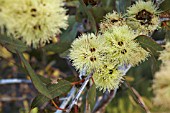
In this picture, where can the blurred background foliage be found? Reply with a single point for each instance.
(52, 62)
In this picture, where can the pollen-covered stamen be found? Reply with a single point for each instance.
(105, 66)
(114, 20)
(84, 55)
(124, 51)
(33, 11)
(37, 27)
(92, 49)
(92, 59)
(120, 43)
(110, 71)
(145, 16)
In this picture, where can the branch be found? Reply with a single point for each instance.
(75, 100)
(9, 98)
(14, 81)
(107, 97)
(66, 101)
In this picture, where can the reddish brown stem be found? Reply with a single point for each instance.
(57, 106)
(79, 82)
(165, 25)
(75, 108)
(92, 80)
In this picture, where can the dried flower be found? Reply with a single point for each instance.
(123, 48)
(35, 21)
(86, 50)
(161, 87)
(107, 78)
(143, 16)
(111, 19)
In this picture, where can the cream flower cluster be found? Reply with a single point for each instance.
(105, 53)
(111, 19)
(115, 47)
(86, 52)
(161, 83)
(34, 21)
(161, 87)
(142, 17)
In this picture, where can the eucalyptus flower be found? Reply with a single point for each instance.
(107, 78)
(123, 47)
(86, 51)
(35, 21)
(143, 16)
(111, 19)
(161, 87)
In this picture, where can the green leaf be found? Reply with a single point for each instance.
(167, 35)
(39, 100)
(12, 44)
(66, 38)
(149, 44)
(61, 87)
(45, 80)
(121, 5)
(91, 96)
(108, 3)
(137, 98)
(155, 64)
(55, 90)
(165, 5)
(90, 16)
(39, 85)
(98, 13)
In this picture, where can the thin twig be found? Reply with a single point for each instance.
(66, 101)
(75, 100)
(164, 19)
(57, 106)
(107, 97)
(137, 97)
(83, 72)
(14, 81)
(141, 100)
(160, 42)
(9, 98)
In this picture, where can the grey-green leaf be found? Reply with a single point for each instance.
(55, 90)
(39, 85)
(121, 5)
(165, 5)
(91, 96)
(149, 44)
(90, 16)
(12, 44)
